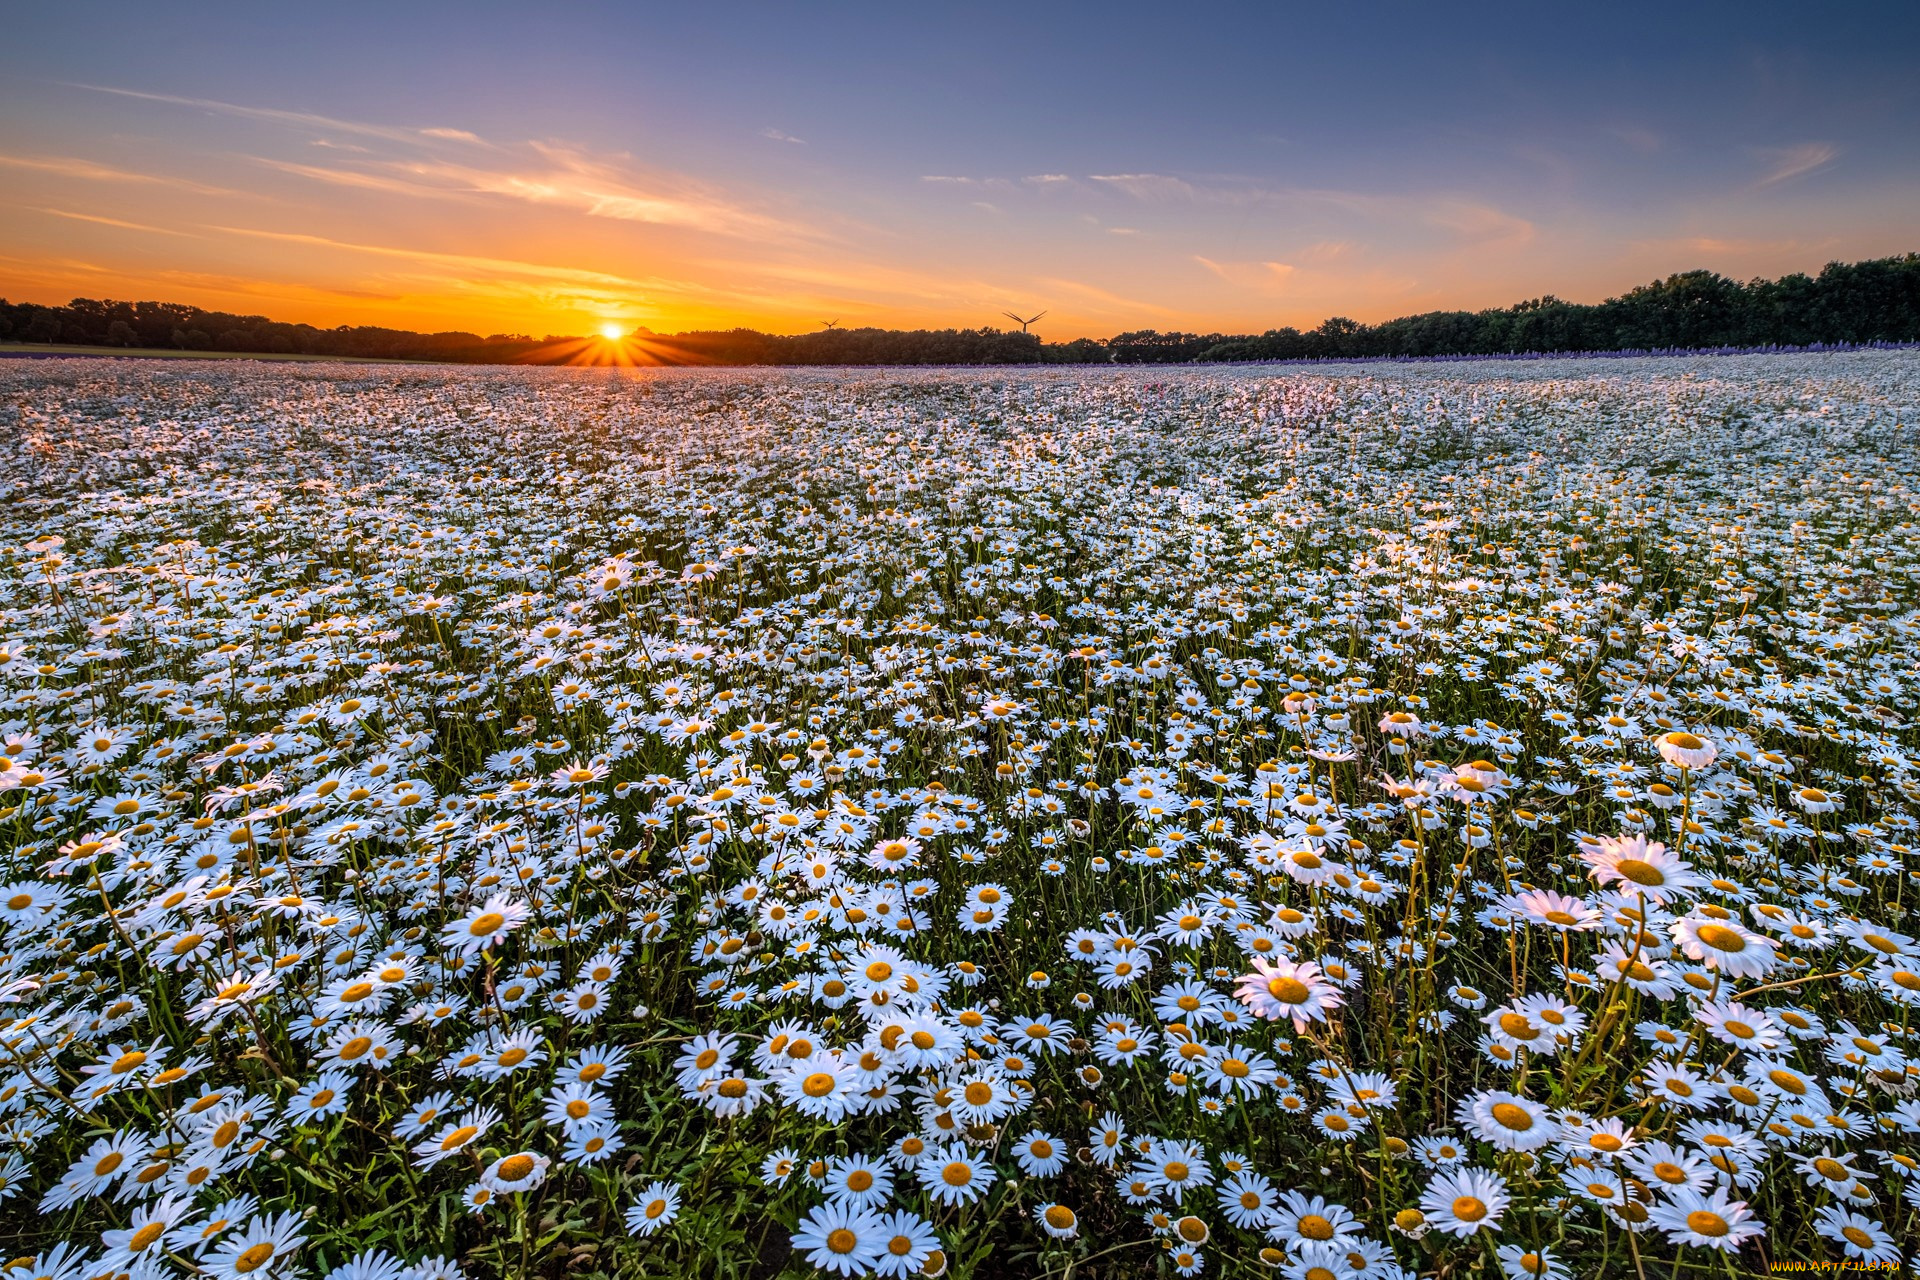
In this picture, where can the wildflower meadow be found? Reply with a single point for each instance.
(1342, 824)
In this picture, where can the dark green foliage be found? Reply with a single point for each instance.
(1858, 302)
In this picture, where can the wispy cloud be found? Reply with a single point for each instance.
(1329, 250)
(472, 262)
(1480, 223)
(1731, 247)
(1264, 276)
(1791, 162)
(867, 283)
(74, 167)
(302, 119)
(551, 174)
(1468, 220)
(1718, 245)
(343, 177)
(439, 161)
(428, 274)
(1104, 302)
(781, 135)
(611, 188)
(118, 223)
(960, 180)
(1148, 186)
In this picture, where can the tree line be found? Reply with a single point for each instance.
(1876, 301)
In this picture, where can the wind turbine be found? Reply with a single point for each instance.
(829, 324)
(1022, 323)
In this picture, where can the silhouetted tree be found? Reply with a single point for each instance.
(1857, 302)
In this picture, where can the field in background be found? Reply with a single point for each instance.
(46, 351)
(1084, 823)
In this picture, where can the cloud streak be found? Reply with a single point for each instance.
(74, 167)
(472, 262)
(117, 223)
(1786, 163)
(300, 119)
(439, 162)
(1264, 276)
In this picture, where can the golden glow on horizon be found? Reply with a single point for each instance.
(610, 351)
(440, 230)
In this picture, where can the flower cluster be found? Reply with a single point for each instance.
(1350, 824)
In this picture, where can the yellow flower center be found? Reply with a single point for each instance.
(1288, 990)
(1721, 938)
(253, 1259)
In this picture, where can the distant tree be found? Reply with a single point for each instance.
(1872, 301)
(1079, 351)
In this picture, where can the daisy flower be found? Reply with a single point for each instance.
(1297, 1220)
(522, 1171)
(907, 1245)
(1461, 1201)
(842, 1238)
(485, 926)
(1725, 946)
(1640, 868)
(1039, 1154)
(1057, 1220)
(1507, 1120)
(1518, 1262)
(657, 1206)
(952, 1175)
(1858, 1235)
(592, 1145)
(261, 1247)
(142, 1240)
(1690, 1218)
(455, 1137)
(1284, 989)
(858, 1181)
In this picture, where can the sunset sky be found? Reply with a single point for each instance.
(549, 168)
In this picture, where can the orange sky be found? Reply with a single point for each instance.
(690, 174)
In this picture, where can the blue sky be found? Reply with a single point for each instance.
(1202, 167)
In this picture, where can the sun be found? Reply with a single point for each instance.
(612, 332)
